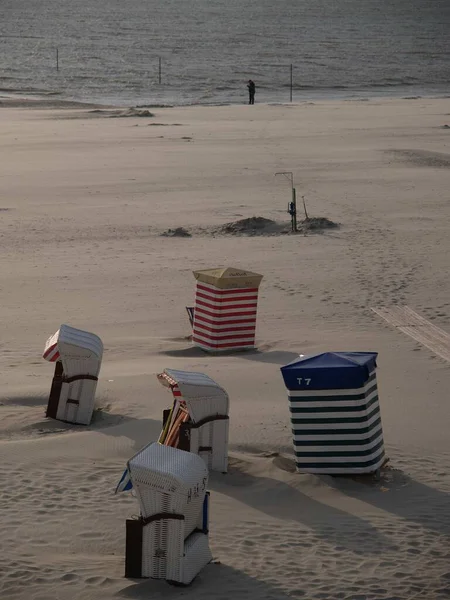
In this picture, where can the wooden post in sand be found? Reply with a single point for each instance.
(291, 85)
(57, 60)
(292, 205)
(159, 71)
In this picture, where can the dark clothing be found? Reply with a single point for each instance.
(251, 92)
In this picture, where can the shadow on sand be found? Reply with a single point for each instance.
(140, 431)
(217, 581)
(399, 494)
(278, 357)
(283, 501)
(29, 401)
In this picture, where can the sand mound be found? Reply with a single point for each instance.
(251, 226)
(177, 232)
(263, 226)
(317, 224)
(260, 226)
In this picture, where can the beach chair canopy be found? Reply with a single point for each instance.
(229, 278)
(169, 480)
(78, 350)
(330, 370)
(168, 470)
(203, 396)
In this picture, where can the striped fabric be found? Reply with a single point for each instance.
(224, 319)
(52, 353)
(337, 431)
(165, 379)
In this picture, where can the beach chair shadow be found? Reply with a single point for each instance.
(399, 494)
(277, 357)
(282, 501)
(217, 581)
(28, 401)
(139, 431)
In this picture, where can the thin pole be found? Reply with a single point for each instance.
(57, 60)
(159, 71)
(291, 82)
(292, 205)
(304, 206)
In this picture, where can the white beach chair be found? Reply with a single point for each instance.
(207, 403)
(170, 539)
(78, 356)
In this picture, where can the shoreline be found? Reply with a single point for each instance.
(54, 100)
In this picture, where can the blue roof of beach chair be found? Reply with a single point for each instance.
(329, 371)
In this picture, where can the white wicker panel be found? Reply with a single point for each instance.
(169, 480)
(192, 378)
(167, 469)
(86, 396)
(82, 390)
(72, 366)
(71, 339)
(163, 549)
(70, 413)
(219, 460)
(195, 439)
(80, 351)
(215, 435)
(197, 555)
(206, 406)
(152, 502)
(64, 394)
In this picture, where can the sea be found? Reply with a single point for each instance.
(182, 52)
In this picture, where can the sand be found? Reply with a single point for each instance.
(83, 206)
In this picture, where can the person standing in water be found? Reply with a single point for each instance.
(251, 91)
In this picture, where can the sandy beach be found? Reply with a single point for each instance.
(87, 195)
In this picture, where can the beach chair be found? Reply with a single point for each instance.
(335, 413)
(198, 420)
(169, 540)
(224, 317)
(77, 356)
